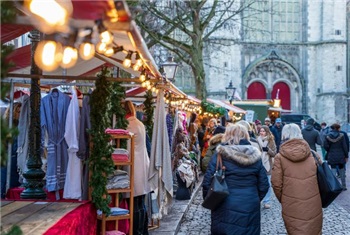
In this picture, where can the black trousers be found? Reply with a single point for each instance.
(140, 225)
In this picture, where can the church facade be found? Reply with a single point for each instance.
(300, 53)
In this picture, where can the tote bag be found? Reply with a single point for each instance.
(218, 190)
(328, 183)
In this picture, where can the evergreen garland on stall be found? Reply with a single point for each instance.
(8, 14)
(100, 161)
(210, 108)
(149, 112)
(117, 98)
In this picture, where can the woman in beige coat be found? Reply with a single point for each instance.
(294, 182)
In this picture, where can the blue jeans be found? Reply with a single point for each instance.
(267, 197)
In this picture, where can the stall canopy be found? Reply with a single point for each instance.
(227, 106)
(124, 30)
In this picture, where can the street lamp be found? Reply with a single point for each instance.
(169, 68)
(230, 91)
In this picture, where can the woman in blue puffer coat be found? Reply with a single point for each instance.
(246, 179)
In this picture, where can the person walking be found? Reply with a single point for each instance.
(337, 152)
(323, 133)
(294, 182)
(266, 141)
(246, 179)
(276, 130)
(311, 135)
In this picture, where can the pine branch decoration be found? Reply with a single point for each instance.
(100, 161)
(149, 112)
(210, 108)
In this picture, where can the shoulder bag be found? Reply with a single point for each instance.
(218, 190)
(328, 183)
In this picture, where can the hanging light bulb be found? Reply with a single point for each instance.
(101, 47)
(112, 50)
(143, 76)
(138, 60)
(48, 55)
(86, 48)
(148, 83)
(50, 15)
(127, 60)
(143, 84)
(153, 89)
(69, 57)
(136, 67)
(106, 37)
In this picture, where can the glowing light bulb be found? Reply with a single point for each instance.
(106, 37)
(101, 47)
(142, 77)
(55, 14)
(153, 89)
(86, 50)
(48, 55)
(143, 84)
(127, 60)
(109, 51)
(69, 57)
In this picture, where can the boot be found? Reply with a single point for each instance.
(343, 178)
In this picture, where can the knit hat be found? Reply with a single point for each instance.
(267, 119)
(257, 122)
(219, 129)
(278, 120)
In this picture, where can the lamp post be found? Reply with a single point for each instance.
(230, 91)
(169, 68)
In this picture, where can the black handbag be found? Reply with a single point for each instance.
(328, 183)
(218, 190)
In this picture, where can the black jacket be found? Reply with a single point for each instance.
(336, 148)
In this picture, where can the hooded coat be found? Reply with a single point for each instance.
(248, 184)
(336, 148)
(294, 182)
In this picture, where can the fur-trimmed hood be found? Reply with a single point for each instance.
(245, 155)
(215, 139)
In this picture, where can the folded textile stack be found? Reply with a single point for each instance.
(117, 131)
(120, 155)
(115, 211)
(119, 179)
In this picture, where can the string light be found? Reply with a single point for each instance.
(48, 55)
(127, 60)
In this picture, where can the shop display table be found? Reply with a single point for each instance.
(47, 217)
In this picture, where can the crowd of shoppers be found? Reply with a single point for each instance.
(265, 159)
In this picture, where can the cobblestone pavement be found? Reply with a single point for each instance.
(336, 220)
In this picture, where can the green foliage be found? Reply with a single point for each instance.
(100, 161)
(210, 108)
(117, 97)
(8, 12)
(7, 15)
(149, 112)
(15, 230)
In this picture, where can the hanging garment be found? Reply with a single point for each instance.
(23, 137)
(72, 186)
(141, 166)
(84, 141)
(53, 111)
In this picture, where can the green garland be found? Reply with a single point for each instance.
(149, 111)
(210, 108)
(117, 97)
(8, 14)
(100, 161)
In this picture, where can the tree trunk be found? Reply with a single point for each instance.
(198, 70)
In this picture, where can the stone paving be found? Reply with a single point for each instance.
(196, 221)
